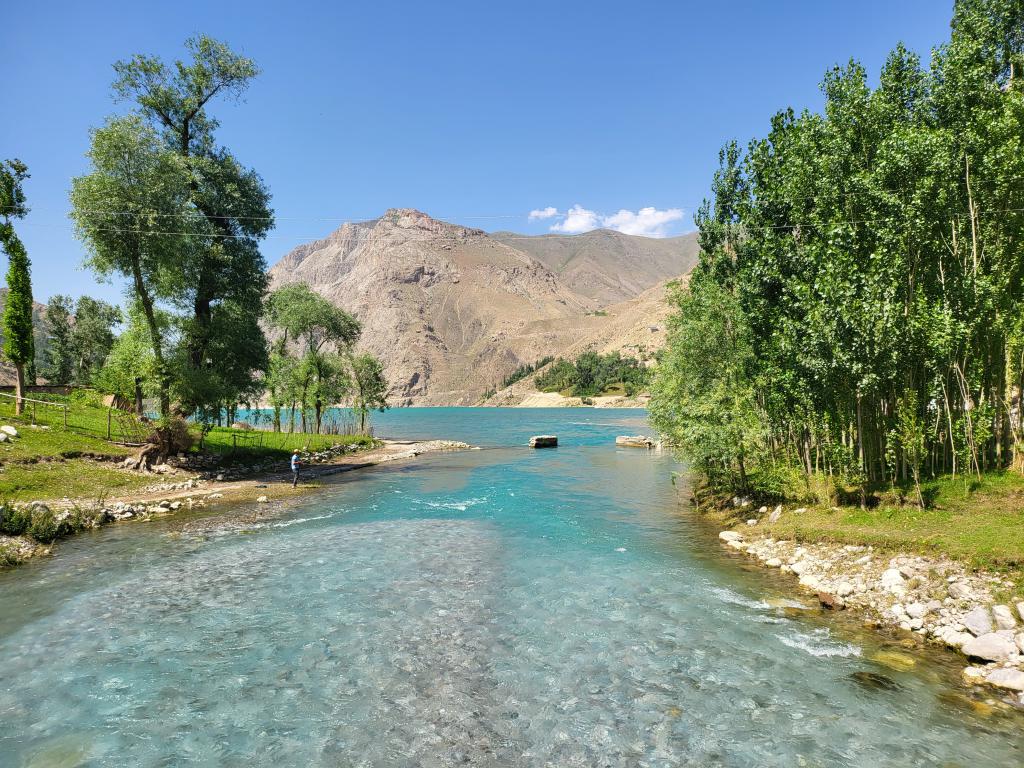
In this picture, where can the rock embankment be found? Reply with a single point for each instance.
(940, 600)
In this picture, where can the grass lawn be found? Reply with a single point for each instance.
(46, 463)
(978, 521)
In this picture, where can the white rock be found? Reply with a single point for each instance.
(960, 591)
(730, 536)
(811, 582)
(917, 623)
(1019, 639)
(262, 500)
(898, 611)
(990, 647)
(3, 437)
(1020, 610)
(974, 675)
(798, 567)
(862, 560)
(844, 588)
(773, 562)
(1003, 616)
(762, 510)
(8, 430)
(799, 510)
(737, 544)
(916, 610)
(1006, 678)
(752, 521)
(978, 622)
(777, 513)
(891, 578)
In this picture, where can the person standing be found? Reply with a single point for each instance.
(295, 468)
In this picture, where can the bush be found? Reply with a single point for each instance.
(172, 436)
(44, 527)
(14, 521)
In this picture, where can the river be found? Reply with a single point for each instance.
(500, 607)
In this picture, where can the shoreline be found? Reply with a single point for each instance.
(191, 491)
(928, 600)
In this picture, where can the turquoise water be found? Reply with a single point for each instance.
(501, 607)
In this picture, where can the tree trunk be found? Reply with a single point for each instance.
(19, 389)
(138, 396)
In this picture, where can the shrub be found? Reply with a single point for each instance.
(44, 527)
(173, 436)
(14, 521)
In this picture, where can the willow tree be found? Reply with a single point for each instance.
(221, 299)
(19, 342)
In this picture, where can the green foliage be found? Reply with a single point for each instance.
(92, 336)
(14, 521)
(873, 253)
(19, 340)
(59, 364)
(593, 374)
(369, 387)
(523, 371)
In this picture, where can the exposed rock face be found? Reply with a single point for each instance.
(607, 266)
(450, 310)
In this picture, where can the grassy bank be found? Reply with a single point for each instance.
(978, 521)
(49, 460)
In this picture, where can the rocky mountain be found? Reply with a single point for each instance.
(451, 310)
(609, 266)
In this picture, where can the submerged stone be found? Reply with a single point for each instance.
(872, 681)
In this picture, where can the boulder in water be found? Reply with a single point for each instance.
(634, 441)
(544, 441)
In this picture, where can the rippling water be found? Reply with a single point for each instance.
(503, 607)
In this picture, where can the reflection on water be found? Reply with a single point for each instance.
(495, 608)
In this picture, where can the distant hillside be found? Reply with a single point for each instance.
(451, 310)
(608, 266)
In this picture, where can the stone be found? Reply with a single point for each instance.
(1006, 678)
(891, 578)
(8, 430)
(1019, 639)
(777, 513)
(973, 675)
(262, 500)
(798, 567)
(901, 662)
(752, 522)
(916, 610)
(989, 647)
(873, 681)
(762, 510)
(960, 591)
(831, 602)
(810, 582)
(730, 536)
(844, 589)
(633, 441)
(773, 562)
(1020, 610)
(799, 510)
(3, 437)
(978, 622)
(544, 441)
(1003, 617)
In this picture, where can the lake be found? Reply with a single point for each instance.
(500, 607)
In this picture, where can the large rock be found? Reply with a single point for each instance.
(8, 430)
(1003, 616)
(960, 591)
(1006, 678)
(730, 536)
(978, 621)
(544, 441)
(990, 647)
(634, 441)
(891, 578)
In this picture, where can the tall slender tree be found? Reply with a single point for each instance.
(19, 342)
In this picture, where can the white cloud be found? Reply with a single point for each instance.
(577, 219)
(648, 222)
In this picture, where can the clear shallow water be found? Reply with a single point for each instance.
(502, 607)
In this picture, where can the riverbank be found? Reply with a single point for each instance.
(46, 521)
(928, 597)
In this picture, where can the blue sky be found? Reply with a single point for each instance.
(475, 112)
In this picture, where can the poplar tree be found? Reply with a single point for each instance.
(19, 344)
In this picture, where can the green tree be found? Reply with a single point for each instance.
(19, 342)
(369, 387)
(317, 326)
(130, 371)
(226, 273)
(59, 365)
(92, 335)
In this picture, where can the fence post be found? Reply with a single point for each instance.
(109, 411)
(65, 417)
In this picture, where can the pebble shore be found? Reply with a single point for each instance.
(940, 600)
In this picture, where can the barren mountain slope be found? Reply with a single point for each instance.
(636, 328)
(446, 308)
(609, 266)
